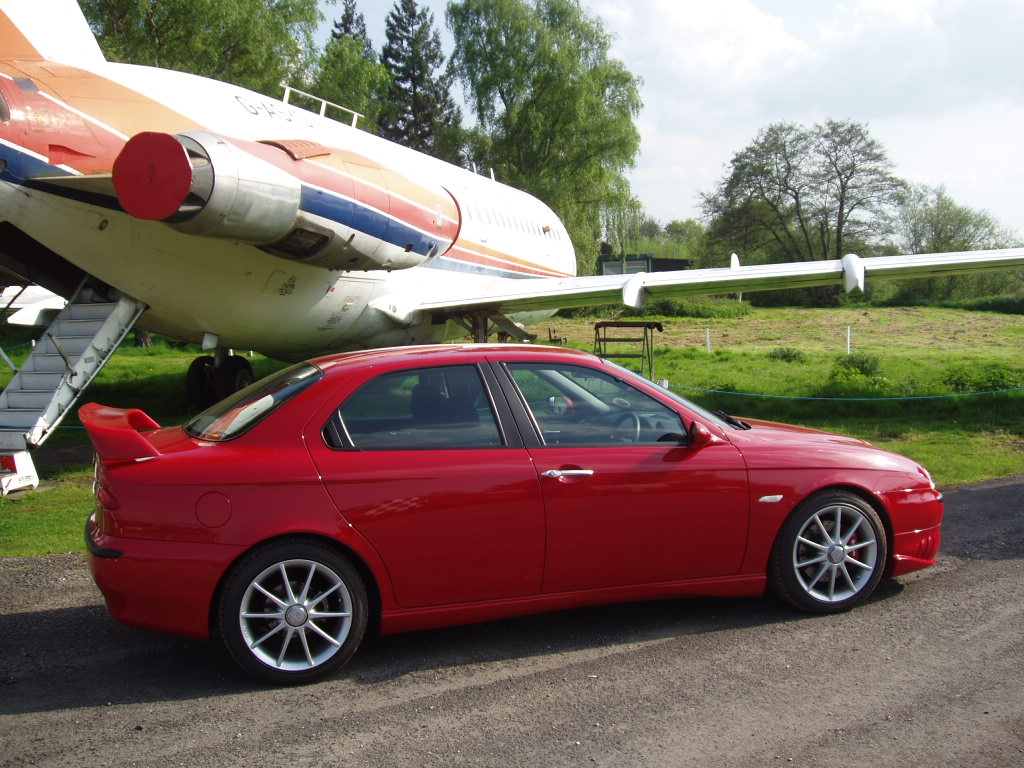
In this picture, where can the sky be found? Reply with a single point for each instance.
(939, 83)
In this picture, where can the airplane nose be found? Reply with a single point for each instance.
(152, 176)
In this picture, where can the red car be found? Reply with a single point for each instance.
(418, 487)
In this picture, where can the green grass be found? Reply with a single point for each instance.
(959, 439)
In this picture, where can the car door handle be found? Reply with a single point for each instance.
(556, 473)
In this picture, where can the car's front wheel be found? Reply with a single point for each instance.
(292, 612)
(830, 553)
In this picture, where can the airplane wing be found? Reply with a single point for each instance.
(34, 305)
(509, 296)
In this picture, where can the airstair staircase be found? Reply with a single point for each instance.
(73, 349)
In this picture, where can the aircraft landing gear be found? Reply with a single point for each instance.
(213, 377)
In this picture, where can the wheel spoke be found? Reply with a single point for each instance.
(858, 563)
(271, 633)
(846, 576)
(277, 616)
(309, 580)
(823, 529)
(305, 647)
(809, 543)
(329, 614)
(284, 646)
(287, 584)
(859, 545)
(804, 563)
(321, 597)
(817, 577)
(314, 628)
(269, 595)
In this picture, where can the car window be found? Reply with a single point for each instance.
(241, 411)
(583, 406)
(443, 407)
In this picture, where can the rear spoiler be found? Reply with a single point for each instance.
(115, 432)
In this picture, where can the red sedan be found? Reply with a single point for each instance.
(427, 486)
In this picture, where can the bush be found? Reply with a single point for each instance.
(704, 308)
(994, 378)
(787, 355)
(861, 362)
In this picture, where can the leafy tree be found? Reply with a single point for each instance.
(554, 110)
(350, 73)
(801, 194)
(257, 44)
(419, 111)
(930, 221)
(621, 223)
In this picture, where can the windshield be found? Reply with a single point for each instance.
(702, 412)
(239, 412)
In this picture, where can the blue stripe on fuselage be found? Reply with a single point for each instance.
(368, 220)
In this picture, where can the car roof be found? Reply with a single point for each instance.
(442, 354)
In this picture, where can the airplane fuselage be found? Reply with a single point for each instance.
(405, 222)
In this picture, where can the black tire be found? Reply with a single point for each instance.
(200, 383)
(233, 375)
(819, 570)
(301, 632)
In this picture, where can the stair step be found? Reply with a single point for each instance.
(24, 399)
(98, 311)
(41, 362)
(72, 345)
(40, 380)
(87, 327)
(18, 418)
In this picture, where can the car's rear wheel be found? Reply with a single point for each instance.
(293, 611)
(830, 553)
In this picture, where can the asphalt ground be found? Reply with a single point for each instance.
(930, 673)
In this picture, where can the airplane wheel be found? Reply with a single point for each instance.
(234, 374)
(200, 383)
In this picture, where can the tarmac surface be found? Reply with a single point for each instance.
(928, 673)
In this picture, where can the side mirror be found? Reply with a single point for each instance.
(700, 436)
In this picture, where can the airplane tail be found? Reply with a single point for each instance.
(52, 30)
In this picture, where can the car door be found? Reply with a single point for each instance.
(626, 502)
(422, 465)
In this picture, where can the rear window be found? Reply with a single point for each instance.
(243, 410)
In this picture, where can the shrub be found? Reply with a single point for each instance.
(993, 378)
(787, 355)
(861, 362)
(704, 308)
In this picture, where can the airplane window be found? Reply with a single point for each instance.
(5, 111)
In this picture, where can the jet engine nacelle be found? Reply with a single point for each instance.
(201, 184)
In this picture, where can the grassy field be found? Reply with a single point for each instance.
(923, 388)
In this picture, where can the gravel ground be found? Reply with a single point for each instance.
(927, 673)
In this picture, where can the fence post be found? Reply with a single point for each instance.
(707, 333)
(848, 336)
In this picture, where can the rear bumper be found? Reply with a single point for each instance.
(158, 585)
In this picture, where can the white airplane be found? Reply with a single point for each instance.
(216, 215)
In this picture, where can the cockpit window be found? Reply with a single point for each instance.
(5, 111)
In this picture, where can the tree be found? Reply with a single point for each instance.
(554, 111)
(930, 221)
(350, 73)
(803, 194)
(257, 44)
(352, 23)
(419, 111)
